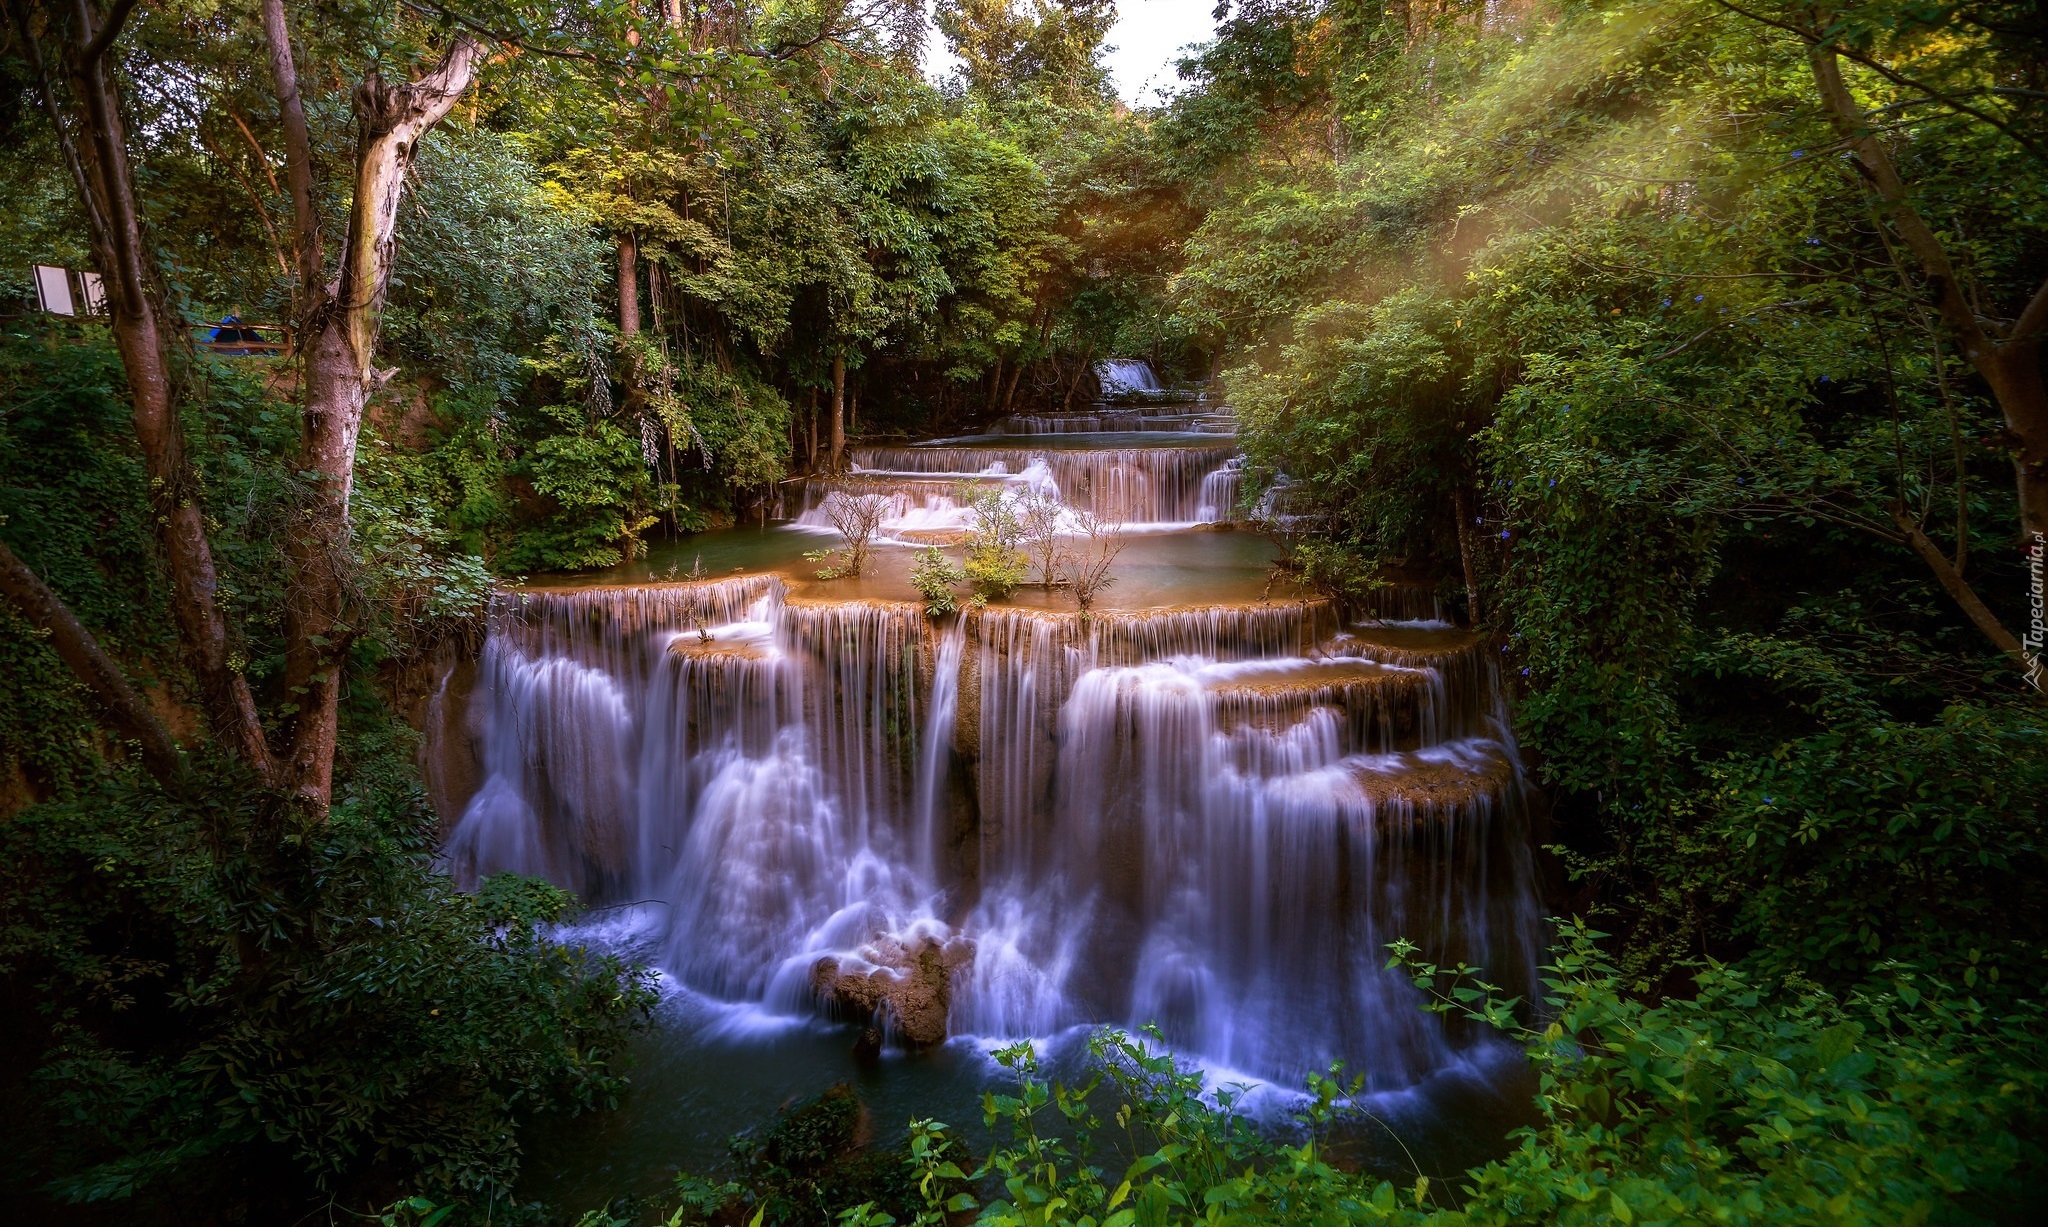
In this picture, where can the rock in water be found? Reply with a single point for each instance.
(912, 982)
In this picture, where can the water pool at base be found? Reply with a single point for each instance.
(707, 1070)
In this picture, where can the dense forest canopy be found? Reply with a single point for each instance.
(1690, 349)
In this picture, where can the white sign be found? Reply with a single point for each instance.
(53, 290)
(95, 293)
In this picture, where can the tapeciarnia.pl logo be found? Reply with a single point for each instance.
(2037, 629)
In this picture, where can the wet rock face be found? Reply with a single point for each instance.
(911, 982)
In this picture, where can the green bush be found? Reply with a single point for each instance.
(994, 566)
(813, 1160)
(934, 576)
(602, 496)
(1765, 1100)
(233, 1003)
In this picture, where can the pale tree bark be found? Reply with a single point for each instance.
(340, 343)
(125, 710)
(629, 285)
(838, 412)
(1398, 10)
(2007, 359)
(87, 119)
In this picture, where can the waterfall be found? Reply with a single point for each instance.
(1103, 420)
(1217, 499)
(935, 753)
(1211, 818)
(1126, 376)
(1141, 486)
(1017, 820)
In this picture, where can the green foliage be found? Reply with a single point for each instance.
(72, 506)
(234, 1002)
(816, 1162)
(416, 584)
(812, 1161)
(599, 491)
(993, 571)
(1759, 1100)
(994, 566)
(1363, 392)
(1328, 568)
(1530, 304)
(491, 265)
(739, 419)
(1048, 48)
(1877, 840)
(934, 576)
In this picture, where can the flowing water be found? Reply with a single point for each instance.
(1207, 806)
(1126, 377)
(1162, 485)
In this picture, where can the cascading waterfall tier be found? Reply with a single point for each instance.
(1103, 420)
(1014, 821)
(1137, 486)
(1126, 377)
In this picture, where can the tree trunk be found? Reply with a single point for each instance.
(125, 709)
(811, 449)
(298, 162)
(340, 344)
(629, 285)
(95, 149)
(1010, 393)
(2010, 365)
(1461, 502)
(838, 412)
(1081, 372)
(1952, 582)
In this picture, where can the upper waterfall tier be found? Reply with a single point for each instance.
(1126, 377)
(1136, 486)
(1103, 419)
(1014, 821)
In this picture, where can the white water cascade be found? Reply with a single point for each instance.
(1015, 821)
(1126, 377)
(1213, 819)
(1144, 488)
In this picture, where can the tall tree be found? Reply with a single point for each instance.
(1007, 47)
(2004, 349)
(336, 325)
(67, 49)
(339, 321)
